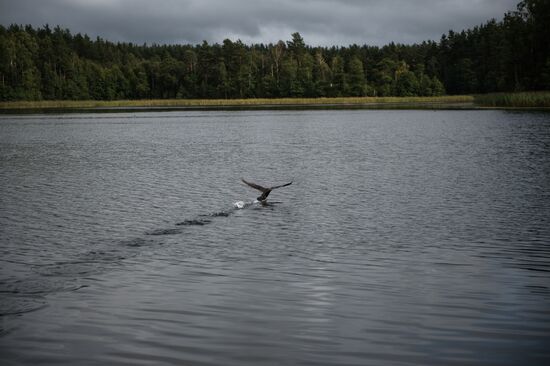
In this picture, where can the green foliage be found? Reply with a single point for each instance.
(53, 64)
(545, 76)
(356, 76)
(406, 85)
(338, 86)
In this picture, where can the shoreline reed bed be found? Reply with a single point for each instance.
(68, 104)
(514, 100)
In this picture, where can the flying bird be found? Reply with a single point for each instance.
(265, 191)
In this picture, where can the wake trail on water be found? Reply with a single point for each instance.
(27, 292)
(203, 219)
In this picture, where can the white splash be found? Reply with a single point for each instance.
(239, 204)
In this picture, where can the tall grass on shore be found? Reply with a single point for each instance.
(514, 100)
(67, 104)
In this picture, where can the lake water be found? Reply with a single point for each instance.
(406, 238)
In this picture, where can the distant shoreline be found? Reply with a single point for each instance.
(537, 100)
(221, 103)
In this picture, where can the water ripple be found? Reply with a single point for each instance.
(408, 237)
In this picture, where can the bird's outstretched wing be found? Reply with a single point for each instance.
(253, 185)
(282, 185)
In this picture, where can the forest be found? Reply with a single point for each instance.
(508, 55)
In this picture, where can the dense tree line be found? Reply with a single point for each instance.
(508, 55)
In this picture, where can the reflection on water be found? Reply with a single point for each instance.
(407, 237)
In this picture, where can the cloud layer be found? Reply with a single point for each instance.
(321, 22)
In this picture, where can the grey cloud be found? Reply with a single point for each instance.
(321, 22)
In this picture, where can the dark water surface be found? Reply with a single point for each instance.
(407, 238)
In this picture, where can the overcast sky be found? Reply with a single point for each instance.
(320, 22)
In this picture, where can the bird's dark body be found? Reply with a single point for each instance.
(264, 196)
